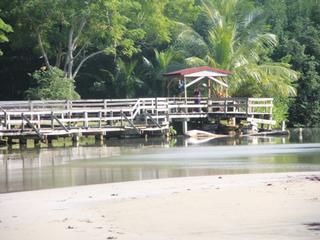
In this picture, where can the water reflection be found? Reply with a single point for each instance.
(128, 159)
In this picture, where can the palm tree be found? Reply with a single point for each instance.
(125, 79)
(238, 42)
(156, 68)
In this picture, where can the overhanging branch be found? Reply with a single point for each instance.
(84, 60)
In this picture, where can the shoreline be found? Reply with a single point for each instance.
(244, 206)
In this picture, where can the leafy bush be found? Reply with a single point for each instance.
(172, 131)
(51, 84)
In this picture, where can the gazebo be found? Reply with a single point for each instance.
(191, 76)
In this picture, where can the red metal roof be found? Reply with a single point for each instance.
(187, 71)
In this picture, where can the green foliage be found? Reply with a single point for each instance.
(299, 46)
(153, 68)
(122, 48)
(125, 79)
(51, 84)
(172, 131)
(4, 28)
(185, 11)
(240, 43)
(280, 109)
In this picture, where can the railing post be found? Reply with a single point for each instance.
(31, 109)
(69, 119)
(152, 106)
(100, 118)
(8, 122)
(5, 120)
(144, 105)
(52, 123)
(121, 113)
(22, 127)
(167, 109)
(111, 116)
(39, 121)
(247, 107)
(86, 119)
(67, 104)
(31, 106)
(105, 107)
(157, 114)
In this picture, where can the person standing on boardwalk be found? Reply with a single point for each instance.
(180, 87)
(197, 97)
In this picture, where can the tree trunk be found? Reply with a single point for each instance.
(59, 56)
(44, 54)
(69, 60)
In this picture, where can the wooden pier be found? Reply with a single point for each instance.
(45, 120)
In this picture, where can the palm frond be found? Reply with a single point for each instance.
(195, 62)
(147, 62)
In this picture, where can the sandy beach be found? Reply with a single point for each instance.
(250, 206)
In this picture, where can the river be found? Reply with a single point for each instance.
(139, 159)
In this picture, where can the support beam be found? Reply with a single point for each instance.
(99, 138)
(153, 120)
(23, 141)
(75, 139)
(60, 123)
(185, 126)
(194, 81)
(218, 81)
(185, 93)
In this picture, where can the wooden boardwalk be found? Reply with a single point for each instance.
(103, 117)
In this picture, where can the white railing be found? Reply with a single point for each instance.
(103, 112)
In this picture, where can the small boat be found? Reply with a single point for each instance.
(202, 134)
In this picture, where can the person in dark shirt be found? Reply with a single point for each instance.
(197, 97)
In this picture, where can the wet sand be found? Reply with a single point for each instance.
(250, 206)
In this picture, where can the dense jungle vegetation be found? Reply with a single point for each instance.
(67, 49)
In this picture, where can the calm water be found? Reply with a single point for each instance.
(127, 160)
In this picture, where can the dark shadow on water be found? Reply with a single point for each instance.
(315, 226)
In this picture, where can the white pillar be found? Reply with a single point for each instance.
(185, 126)
(185, 88)
(185, 94)
(300, 135)
(233, 121)
(283, 126)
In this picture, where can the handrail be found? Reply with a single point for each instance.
(131, 123)
(133, 107)
(32, 126)
(154, 121)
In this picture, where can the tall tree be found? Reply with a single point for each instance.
(69, 33)
(237, 40)
(297, 24)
